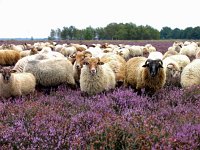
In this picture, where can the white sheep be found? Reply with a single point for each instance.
(19, 66)
(135, 51)
(155, 55)
(182, 60)
(173, 71)
(145, 73)
(15, 84)
(51, 72)
(191, 74)
(96, 77)
(189, 50)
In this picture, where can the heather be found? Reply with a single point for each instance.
(118, 119)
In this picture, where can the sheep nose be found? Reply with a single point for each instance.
(93, 71)
(78, 66)
(153, 74)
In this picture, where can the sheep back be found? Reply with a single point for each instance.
(51, 72)
(191, 74)
(9, 57)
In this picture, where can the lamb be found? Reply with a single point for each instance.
(145, 73)
(51, 72)
(96, 77)
(117, 64)
(9, 57)
(15, 84)
(191, 74)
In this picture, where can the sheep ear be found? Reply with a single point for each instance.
(145, 65)
(100, 63)
(85, 61)
(170, 66)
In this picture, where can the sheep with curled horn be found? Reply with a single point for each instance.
(143, 73)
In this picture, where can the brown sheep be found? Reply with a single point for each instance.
(78, 63)
(117, 64)
(9, 57)
(145, 73)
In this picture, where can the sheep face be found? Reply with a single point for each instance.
(153, 66)
(92, 64)
(173, 71)
(79, 60)
(6, 73)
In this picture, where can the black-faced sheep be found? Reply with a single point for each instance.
(15, 84)
(145, 73)
(96, 77)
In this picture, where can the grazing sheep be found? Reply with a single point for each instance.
(191, 74)
(96, 77)
(15, 84)
(9, 57)
(117, 64)
(145, 73)
(51, 72)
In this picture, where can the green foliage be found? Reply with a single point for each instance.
(187, 33)
(112, 31)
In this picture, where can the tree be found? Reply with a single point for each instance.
(52, 35)
(89, 33)
(165, 33)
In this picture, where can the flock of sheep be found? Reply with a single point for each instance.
(96, 68)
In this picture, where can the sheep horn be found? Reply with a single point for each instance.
(147, 61)
(160, 61)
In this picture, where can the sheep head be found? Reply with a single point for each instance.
(6, 73)
(153, 66)
(80, 56)
(174, 70)
(92, 64)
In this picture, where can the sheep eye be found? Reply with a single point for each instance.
(86, 63)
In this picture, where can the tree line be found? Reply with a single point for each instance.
(123, 31)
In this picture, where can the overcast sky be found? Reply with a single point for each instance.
(26, 18)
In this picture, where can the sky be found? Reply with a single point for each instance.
(36, 18)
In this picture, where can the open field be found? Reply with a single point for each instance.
(118, 119)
